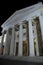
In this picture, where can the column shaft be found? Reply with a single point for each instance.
(12, 44)
(37, 49)
(20, 41)
(6, 43)
(31, 43)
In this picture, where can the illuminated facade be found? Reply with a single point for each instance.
(22, 33)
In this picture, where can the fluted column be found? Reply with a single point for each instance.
(12, 43)
(20, 41)
(1, 43)
(31, 43)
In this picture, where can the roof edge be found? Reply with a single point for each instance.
(19, 11)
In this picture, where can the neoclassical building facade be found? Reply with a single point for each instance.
(22, 33)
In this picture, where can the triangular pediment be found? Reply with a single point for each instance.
(23, 12)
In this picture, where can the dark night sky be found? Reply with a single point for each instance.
(7, 8)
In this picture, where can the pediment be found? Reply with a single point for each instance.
(22, 13)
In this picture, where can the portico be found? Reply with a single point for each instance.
(24, 33)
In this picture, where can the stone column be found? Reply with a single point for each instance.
(12, 43)
(31, 43)
(37, 49)
(6, 43)
(1, 43)
(20, 41)
(41, 25)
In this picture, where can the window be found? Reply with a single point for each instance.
(35, 46)
(25, 48)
